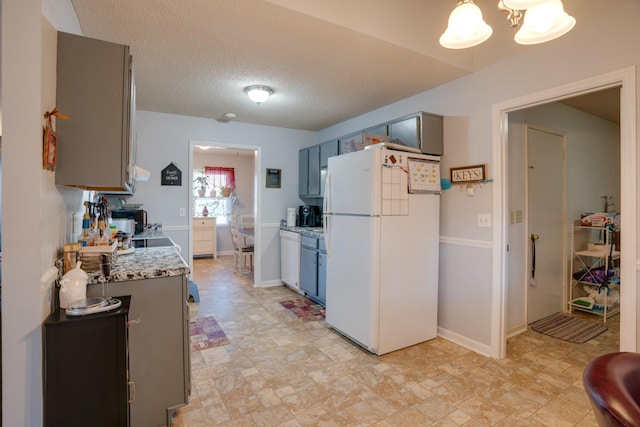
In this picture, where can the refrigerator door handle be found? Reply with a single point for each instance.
(326, 206)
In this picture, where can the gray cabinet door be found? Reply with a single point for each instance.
(96, 89)
(327, 149)
(309, 270)
(159, 348)
(303, 172)
(422, 130)
(322, 277)
(314, 171)
(406, 132)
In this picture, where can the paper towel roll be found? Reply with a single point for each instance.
(291, 217)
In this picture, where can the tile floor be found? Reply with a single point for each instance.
(280, 371)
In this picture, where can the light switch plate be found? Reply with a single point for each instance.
(484, 220)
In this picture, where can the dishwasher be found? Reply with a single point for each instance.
(290, 259)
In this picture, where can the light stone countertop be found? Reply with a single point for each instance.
(145, 263)
(307, 231)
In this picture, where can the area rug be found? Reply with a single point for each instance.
(304, 308)
(206, 333)
(568, 328)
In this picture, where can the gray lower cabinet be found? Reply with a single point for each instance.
(308, 271)
(322, 277)
(159, 347)
(313, 268)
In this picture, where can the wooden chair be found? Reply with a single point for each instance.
(241, 253)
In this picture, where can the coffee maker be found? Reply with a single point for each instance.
(309, 216)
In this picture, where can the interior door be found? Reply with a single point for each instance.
(546, 220)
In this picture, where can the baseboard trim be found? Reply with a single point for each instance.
(270, 284)
(516, 330)
(465, 342)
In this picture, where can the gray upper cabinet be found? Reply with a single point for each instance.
(314, 171)
(420, 130)
(327, 149)
(96, 89)
(309, 172)
(303, 172)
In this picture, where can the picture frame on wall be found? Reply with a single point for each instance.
(50, 148)
(273, 178)
(465, 174)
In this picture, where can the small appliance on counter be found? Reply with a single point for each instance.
(139, 216)
(309, 216)
(291, 217)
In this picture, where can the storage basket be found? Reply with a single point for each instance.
(91, 256)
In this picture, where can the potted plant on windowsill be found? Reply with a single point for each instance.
(226, 191)
(201, 184)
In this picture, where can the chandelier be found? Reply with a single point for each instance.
(544, 20)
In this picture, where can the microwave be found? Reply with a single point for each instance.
(139, 217)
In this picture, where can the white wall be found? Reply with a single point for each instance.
(164, 138)
(593, 169)
(35, 213)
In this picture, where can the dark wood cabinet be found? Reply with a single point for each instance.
(86, 367)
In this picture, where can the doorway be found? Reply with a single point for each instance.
(242, 203)
(546, 210)
(501, 298)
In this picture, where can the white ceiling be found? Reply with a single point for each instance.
(327, 61)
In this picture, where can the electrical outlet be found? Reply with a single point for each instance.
(484, 220)
(182, 212)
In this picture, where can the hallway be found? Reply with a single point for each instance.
(280, 371)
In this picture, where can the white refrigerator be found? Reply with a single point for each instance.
(381, 220)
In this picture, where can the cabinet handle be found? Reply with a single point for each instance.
(133, 322)
(132, 386)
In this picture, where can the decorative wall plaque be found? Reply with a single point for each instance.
(171, 175)
(465, 174)
(273, 178)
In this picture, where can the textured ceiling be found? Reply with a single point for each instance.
(327, 61)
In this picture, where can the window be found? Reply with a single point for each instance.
(219, 206)
(220, 177)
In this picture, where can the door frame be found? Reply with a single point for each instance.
(564, 249)
(626, 80)
(257, 199)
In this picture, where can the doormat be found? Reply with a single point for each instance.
(304, 308)
(568, 328)
(206, 333)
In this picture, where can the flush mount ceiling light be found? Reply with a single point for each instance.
(544, 20)
(258, 93)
